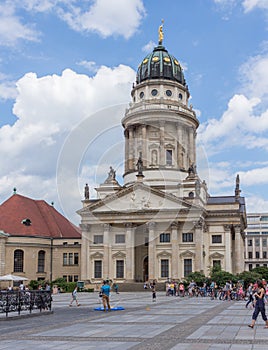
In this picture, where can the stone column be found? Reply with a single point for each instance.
(174, 246)
(253, 250)
(2, 254)
(260, 253)
(145, 159)
(162, 160)
(228, 249)
(191, 145)
(130, 253)
(151, 251)
(131, 150)
(198, 226)
(107, 262)
(179, 147)
(126, 134)
(84, 259)
(239, 254)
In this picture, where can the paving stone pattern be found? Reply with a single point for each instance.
(169, 323)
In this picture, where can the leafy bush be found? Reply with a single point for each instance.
(198, 277)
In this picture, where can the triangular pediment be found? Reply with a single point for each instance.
(138, 197)
(119, 255)
(187, 254)
(216, 256)
(96, 255)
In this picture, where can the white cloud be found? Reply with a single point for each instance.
(250, 5)
(106, 17)
(91, 66)
(12, 29)
(149, 47)
(7, 90)
(254, 76)
(256, 204)
(48, 109)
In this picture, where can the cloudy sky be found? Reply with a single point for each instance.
(66, 71)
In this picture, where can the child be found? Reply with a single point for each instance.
(74, 297)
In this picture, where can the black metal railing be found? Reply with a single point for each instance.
(18, 301)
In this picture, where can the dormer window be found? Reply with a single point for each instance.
(26, 222)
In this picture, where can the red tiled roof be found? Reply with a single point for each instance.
(46, 221)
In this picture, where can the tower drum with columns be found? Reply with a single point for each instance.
(161, 222)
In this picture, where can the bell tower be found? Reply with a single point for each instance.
(159, 125)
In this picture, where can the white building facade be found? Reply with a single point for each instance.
(161, 223)
(256, 237)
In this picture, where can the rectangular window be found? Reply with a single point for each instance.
(120, 239)
(98, 269)
(65, 278)
(249, 267)
(65, 261)
(187, 237)
(76, 258)
(250, 242)
(257, 242)
(264, 242)
(75, 278)
(250, 255)
(165, 268)
(187, 267)
(71, 259)
(98, 239)
(119, 268)
(216, 263)
(264, 255)
(216, 239)
(169, 157)
(257, 255)
(70, 278)
(165, 238)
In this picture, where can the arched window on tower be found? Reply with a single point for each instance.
(18, 260)
(41, 261)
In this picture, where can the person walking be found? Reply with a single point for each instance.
(250, 292)
(105, 290)
(153, 294)
(74, 297)
(259, 306)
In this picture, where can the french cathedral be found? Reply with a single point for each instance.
(161, 223)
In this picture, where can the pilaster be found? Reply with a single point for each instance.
(151, 251)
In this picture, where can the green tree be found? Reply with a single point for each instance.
(198, 277)
(262, 271)
(221, 277)
(248, 277)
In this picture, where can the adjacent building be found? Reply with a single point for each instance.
(37, 242)
(256, 236)
(161, 222)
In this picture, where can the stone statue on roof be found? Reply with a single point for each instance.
(111, 175)
(86, 191)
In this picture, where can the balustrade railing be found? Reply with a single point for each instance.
(18, 301)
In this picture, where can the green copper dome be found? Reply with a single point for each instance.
(159, 64)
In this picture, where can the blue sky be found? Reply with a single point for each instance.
(67, 67)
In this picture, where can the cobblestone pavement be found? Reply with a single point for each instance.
(169, 323)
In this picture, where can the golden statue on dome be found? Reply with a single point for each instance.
(160, 33)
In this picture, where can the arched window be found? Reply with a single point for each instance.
(18, 260)
(41, 261)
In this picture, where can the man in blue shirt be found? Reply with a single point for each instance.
(105, 290)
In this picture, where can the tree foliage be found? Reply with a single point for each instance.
(198, 277)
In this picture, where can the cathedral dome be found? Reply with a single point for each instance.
(159, 64)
